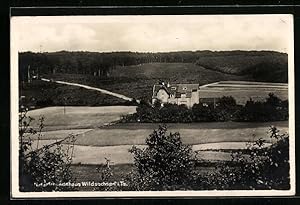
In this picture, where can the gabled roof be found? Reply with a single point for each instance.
(156, 88)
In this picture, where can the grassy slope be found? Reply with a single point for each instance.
(137, 81)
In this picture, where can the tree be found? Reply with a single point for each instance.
(226, 109)
(273, 109)
(165, 164)
(202, 113)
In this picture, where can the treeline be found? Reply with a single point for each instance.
(101, 64)
(273, 109)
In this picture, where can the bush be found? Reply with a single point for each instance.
(257, 167)
(175, 113)
(43, 168)
(273, 109)
(202, 113)
(226, 109)
(166, 163)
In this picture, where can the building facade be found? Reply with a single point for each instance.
(180, 94)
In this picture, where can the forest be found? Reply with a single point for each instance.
(267, 66)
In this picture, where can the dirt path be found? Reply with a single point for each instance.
(91, 88)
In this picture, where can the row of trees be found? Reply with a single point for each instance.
(273, 109)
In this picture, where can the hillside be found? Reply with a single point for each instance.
(43, 94)
(137, 81)
(133, 74)
(266, 67)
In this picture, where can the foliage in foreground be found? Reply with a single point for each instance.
(259, 167)
(43, 167)
(167, 164)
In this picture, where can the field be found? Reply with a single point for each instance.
(197, 135)
(95, 142)
(76, 117)
(242, 91)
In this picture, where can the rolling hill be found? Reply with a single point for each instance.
(137, 81)
(133, 74)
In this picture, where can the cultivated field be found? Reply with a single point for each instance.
(242, 91)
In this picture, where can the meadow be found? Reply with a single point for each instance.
(95, 140)
(78, 117)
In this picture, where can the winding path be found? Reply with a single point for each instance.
(92, 88)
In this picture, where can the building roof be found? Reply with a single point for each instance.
(176, 89)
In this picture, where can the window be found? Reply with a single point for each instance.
(173, 88)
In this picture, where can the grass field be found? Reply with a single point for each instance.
(242, 91)
(76, 117)
(243, 95)
(108, 137)
(119, 154)
(95, 143)
(194, 133)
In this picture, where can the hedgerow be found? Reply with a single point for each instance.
(273, 109)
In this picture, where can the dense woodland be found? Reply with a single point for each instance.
(261, 65)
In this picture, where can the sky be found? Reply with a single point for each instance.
(152, 33)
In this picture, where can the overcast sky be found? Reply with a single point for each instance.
(152, 33)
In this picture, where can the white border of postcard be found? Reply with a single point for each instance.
(16, 194)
